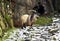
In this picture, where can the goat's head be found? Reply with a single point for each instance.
(34, 16)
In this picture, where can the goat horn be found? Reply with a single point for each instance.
(32, 10)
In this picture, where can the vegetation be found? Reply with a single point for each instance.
(43, 20)
(17, 7)
(8, 33)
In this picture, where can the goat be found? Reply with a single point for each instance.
(26, 20)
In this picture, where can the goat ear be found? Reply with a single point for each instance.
(37, 17)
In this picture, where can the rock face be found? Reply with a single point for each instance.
(41, 33)
(22, 6)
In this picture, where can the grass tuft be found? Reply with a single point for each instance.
(43, 21)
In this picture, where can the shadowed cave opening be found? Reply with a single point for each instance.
(39, 8)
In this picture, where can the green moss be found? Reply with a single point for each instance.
(0, 39)
(7, 33)
(7, 17)
(0, 31)
(20, 40)
(0, 13)
(54, 38)
(43, 21)
(8, 20)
